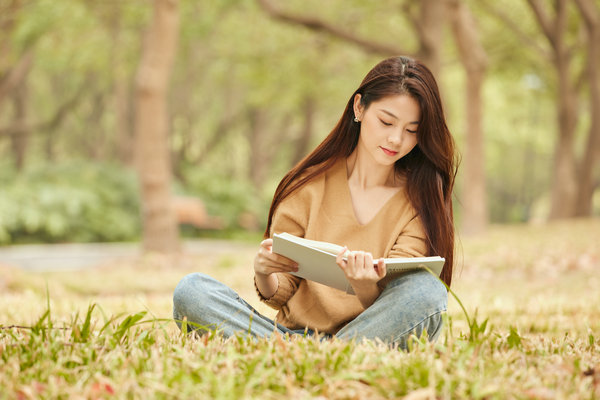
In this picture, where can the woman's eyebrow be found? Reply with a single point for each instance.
(394, 116)
(389, 113)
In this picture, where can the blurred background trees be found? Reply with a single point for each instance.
(255, 84)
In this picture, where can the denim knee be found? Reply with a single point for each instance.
(428, 289)
(194, 288)
(427, 299)
(431, 325)
(437, 294)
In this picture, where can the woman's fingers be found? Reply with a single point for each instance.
(267, 262)
(282, 267)
(281, 261)
(359, 260)
(278, 261)
(267, 268)
(267, 249)
(360, 266)
(340, 258)
(349, 267)
(381, 268)
(267, 244)
(368, 260)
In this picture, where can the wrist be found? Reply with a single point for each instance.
(364, 285)
(261, 275)
(367, 292)
(266, 285)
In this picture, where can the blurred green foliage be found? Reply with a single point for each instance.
(82, 201)
(226, 198)
(237, 99)
(72, 201)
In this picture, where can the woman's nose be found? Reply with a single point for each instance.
(395, 138)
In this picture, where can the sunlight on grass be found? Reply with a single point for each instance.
(531, 293)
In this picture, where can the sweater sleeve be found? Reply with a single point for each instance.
(411, 242)
(291, 216)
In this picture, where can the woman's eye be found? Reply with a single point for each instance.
(409, 131)
(385, 123)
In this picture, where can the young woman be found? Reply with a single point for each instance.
(380, 184)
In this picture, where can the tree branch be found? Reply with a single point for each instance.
(62, 111)
(51, 123)
(319, 25)
(467, 37)
(510, 23)
(589, 12)
(221, 132)
(408, 10)
(544, 20)
(15, 75)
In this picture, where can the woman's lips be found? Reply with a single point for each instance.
(389, 152)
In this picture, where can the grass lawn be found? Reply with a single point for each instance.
(532, 294)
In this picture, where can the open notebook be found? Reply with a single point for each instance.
(316, 261)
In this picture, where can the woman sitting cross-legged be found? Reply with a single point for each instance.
(381, 184)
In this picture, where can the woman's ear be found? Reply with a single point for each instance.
(358, 108)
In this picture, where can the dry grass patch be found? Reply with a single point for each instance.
(531, 293)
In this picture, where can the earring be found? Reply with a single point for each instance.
(356, 119)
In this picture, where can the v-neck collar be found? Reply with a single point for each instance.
(341, 175)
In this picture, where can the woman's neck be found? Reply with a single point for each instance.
(366, 173)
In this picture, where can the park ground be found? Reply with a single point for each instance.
(531, 329)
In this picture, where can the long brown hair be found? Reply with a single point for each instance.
(430, 167)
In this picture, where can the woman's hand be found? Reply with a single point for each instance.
(266, 262)
(362, 274)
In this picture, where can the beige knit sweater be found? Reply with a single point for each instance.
(322, 210)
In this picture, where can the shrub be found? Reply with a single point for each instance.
(226, 197)
(74, 202)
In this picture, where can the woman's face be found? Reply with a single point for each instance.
(388, 128)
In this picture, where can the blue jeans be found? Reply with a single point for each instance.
(411, 304)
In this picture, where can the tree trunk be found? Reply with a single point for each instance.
(15, 75)
(430, 26)
(20, 136)
(564, 183)
(474, 61)
(258, 148)
(265, 142)
(124, 124)
(95, 142)
(591, 159)
(50, 129)
(123, 95)
(160, 231)
(303, 143)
